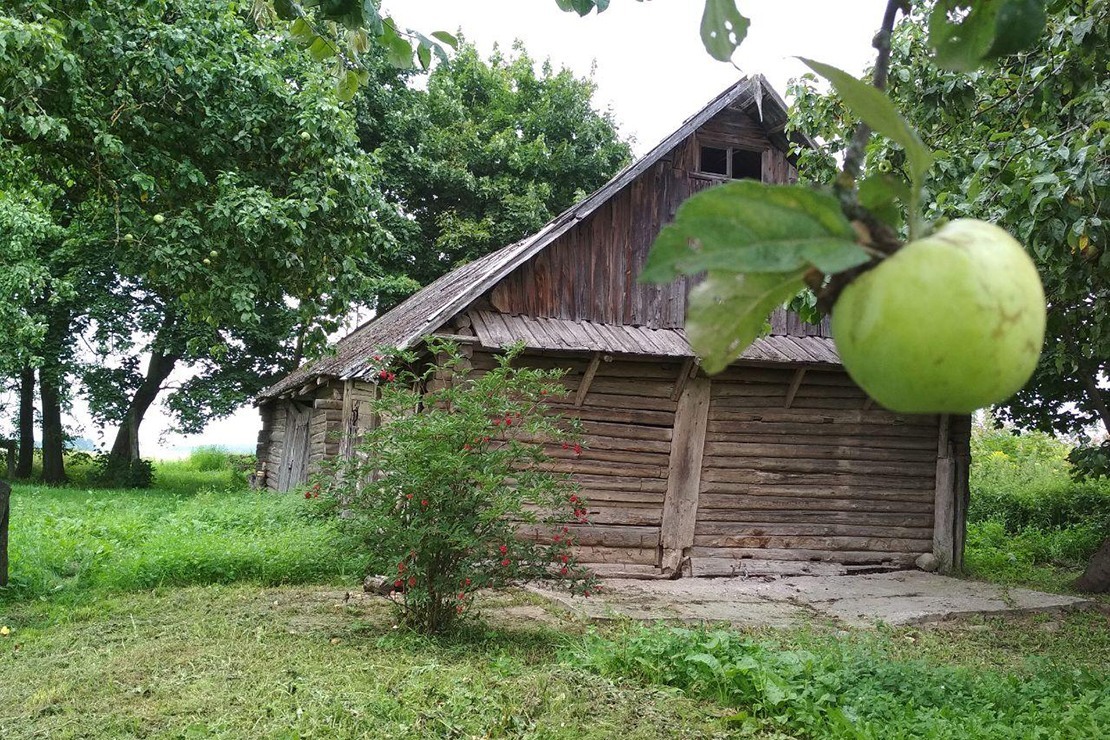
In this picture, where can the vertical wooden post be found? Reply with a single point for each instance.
(5, 499)
(680, 507)
(587, 379)
(349, 420)
(795, 384)
(945, 504)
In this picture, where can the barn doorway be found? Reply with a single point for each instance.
(294, 458)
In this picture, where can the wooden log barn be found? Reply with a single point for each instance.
(779, 464)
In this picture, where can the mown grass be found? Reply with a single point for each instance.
(202, 609)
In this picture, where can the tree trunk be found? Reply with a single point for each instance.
(1096, 578)
(126, 445)
(53, 435)
(26, 423)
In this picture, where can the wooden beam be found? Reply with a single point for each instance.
(868, 404)
(945, 504)
(795, 384)
(680, 506)
(587, 380)
(689, 369)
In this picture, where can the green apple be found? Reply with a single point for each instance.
(207, 261)
(129, 237)
(159, 219)
(305, 136)
(948, 324)
(213, 254)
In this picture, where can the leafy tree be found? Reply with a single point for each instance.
(1023, 146)
(211, 207)
(486, 154)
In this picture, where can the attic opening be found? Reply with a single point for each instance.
(731, 163)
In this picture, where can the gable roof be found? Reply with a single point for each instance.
(438, 302)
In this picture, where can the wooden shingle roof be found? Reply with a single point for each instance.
(439, 302)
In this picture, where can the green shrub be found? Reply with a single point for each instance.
(209, 458)
(436, 497)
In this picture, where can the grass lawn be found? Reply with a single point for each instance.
(199, 609)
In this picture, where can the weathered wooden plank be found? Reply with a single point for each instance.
(802, 465)
(603, 497)
(593, 481)
(684, 474)
(826, 556)
(945, 513)
(815, 452)
(802, 442)
(816, 516)
(611, 455)
(625, 431)
(621, 416)
(801, 529)
(603, 535)
(604, 468)
(830, 416)
(795, 384)
(742, 493)
(925, 435)
(625, 570)
(786, 542)
(725, 503)
(622, 555)
(587, 380)
(752, 476)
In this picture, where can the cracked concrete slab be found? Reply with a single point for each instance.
(897, 598)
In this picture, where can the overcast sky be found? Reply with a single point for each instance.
(651, 72)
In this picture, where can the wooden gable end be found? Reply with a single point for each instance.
(589, 273)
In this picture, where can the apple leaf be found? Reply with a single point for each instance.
(722, 28)
(965, 34)
(746, 226)
(881, 193)
(876, 110)
(727, 312)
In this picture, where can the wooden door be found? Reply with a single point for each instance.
(294, 455)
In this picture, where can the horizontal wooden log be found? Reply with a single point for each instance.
(818, 516)
(602, 497)
(603, 535)
(589, 481)
(626, 570)
(921, 470)
(597, 442)
(786, 542)
(822, 416)
(609, 400)
(735, 494)
(615, 416)
(328, 403)
(874, 441)
(821, 430)
(617, 455)
(711, 501)
(626, 431)
(814, 375)
(815, 452)
(797, 529)
(770, 477)
(824, 556)
(772, 401)
(603, 467)
(616, 555)
(619, 386)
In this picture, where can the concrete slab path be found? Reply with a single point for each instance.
(897, 598)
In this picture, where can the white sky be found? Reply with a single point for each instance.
(651, 71)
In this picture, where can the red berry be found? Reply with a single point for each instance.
(504, 549)
(307, 494)
(412, 580)
(398, 583)
(459, 609)
(563, 570)
(466, 582)
(424, 502)
(505, 562)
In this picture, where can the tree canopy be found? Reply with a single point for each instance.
(1022, 145)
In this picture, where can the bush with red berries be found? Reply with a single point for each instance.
(441, 488)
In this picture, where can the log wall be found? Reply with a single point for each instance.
(590, 272)
(824, 477)
(627, 414)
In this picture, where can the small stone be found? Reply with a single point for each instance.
(927, 562)
(379, 585)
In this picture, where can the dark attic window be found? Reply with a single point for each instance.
(747, 165)
(714, 161)
(730, 162)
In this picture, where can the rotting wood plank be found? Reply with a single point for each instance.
(739, 493)
(807, 529)
(828, 544)
(874, 441)
(587, 380)
(755, 476)
(817, 452)
(944, 527)
(626, 431)
(815, 516)
(688, 370)
(680, 507)
(846, 557)
(602, 535)
(801, 465)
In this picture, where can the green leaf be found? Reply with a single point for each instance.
(877, 111)
(301, 30)
(881, 194)
(747, 226)
(398, 51)
(285, 10)
(321, 49)
(446, 38)
(424, 55)
(722, 28)
(727, 312)
(582, 7)
(966, 34)
(1020, 23)
(348, 85)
